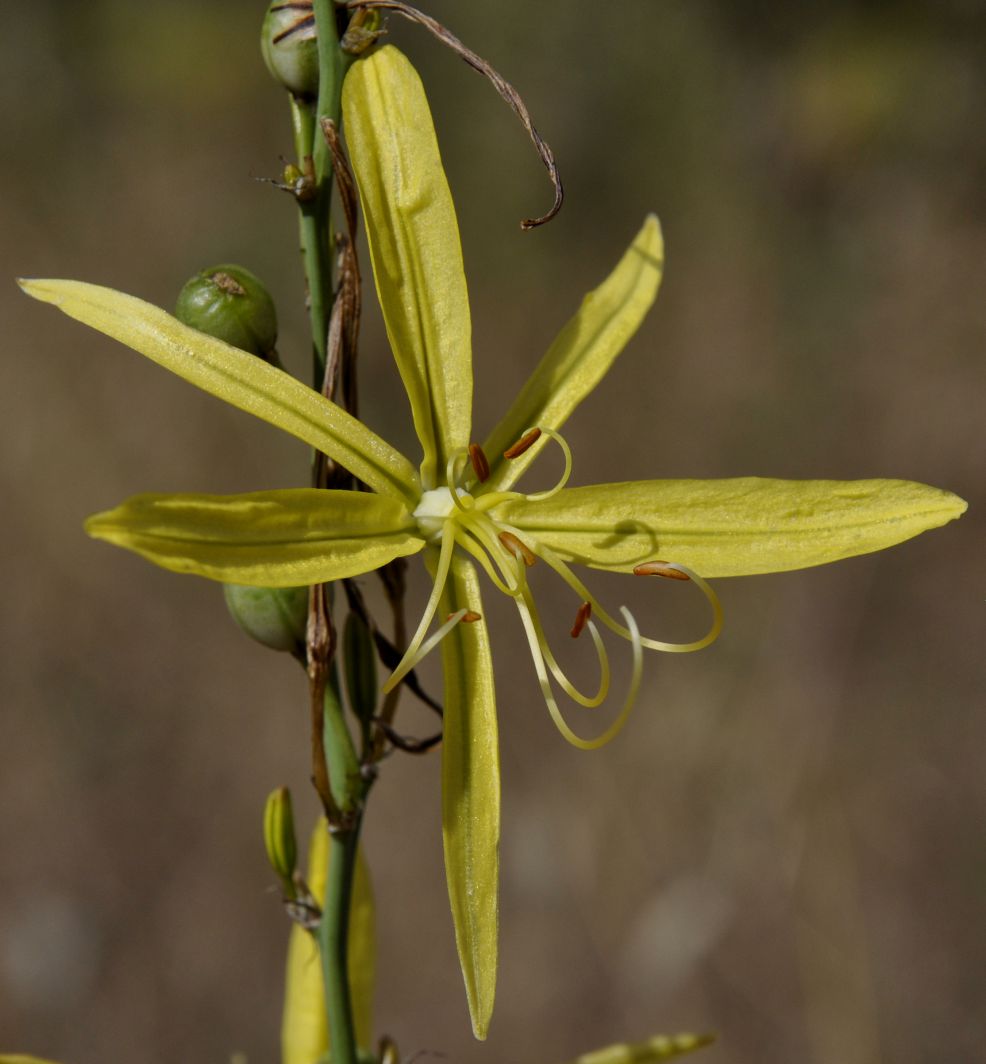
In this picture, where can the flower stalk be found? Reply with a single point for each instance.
(314, 195)
(314, 234)
(335, 763)
(333, 941)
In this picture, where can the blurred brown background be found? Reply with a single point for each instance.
(787, 844)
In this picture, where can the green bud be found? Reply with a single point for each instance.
(279, 837)
(359, 657)
(290, 48)
(230, 303)
(274, 616)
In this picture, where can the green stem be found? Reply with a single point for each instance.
(332, 66)
(349, 790)
(314, 210)
(315, 236)
(334, 943)
(316, 230)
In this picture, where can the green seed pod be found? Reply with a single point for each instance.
(279, 837)
(290, 48)
(274, 616)
(360, 660)
(230, 303)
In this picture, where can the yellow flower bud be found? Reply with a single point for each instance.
(279, 837)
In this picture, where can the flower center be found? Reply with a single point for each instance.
(434, 509)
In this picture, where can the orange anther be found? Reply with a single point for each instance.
(469, 617)
(664, 569)
(525, 443)
(581, 619)
(517, 548)
(480, 464)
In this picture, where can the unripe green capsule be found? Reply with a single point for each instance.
(274, 616)
(289, 46)
(360, 661)
(231, 304)
(279, 837)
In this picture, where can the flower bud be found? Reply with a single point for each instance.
(231, 304)
(359, 656)
(279, 837)
(290, 48)
(388, 1052)
(274, 616)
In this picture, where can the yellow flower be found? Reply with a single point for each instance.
(452, 507)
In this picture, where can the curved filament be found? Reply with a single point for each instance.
(452, 474)
(540, 496)
(652, 644)
(436, 637)
(411, 655)
(556, 715)
(494, 498)
(487, 534)
(466, 538)
(589, 701)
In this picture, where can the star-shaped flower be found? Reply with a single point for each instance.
(460, 507)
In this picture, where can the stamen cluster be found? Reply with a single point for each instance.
(463, 514)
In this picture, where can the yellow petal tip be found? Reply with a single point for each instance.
(957, 505)
(653, 230)
(93, 524)
(481, 1021)
(43, 289)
